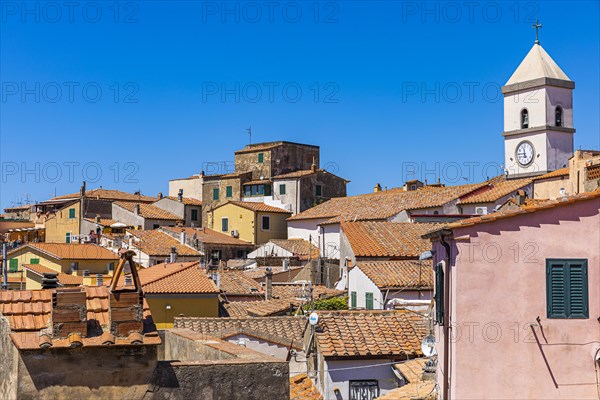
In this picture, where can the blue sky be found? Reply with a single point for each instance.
(129, 95)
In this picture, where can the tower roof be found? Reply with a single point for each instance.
(537, 64)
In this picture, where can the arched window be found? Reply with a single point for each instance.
(558, 119)
(524, 119)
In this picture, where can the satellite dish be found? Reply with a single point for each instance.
(313, 318)
(428, 346)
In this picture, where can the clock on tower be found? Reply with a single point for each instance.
(538, 116)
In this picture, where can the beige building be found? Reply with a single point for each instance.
(582, 175)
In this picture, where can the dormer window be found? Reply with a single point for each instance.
(524, 119)
(558, 119)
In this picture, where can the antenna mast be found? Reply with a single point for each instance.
(249, 131)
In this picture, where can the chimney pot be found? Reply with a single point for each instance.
(377, 188)
(173, 255)
(160, 195)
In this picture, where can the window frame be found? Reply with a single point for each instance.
(225, 224)
(558, 111)
(72, 214)
(567, 265)
(194, 214)
(282, 189)
(524, 112)
(264, 218)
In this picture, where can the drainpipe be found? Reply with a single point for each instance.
(446, 389)
(4, 266)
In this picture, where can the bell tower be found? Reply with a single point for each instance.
(538, 116)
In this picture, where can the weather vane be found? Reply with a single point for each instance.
(537, 26)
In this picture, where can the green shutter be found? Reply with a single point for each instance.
(439, 294)
(281, 189)
(216, 194)
(567, 288)
(369, 300)
(224, 225)
(229, 191)
(34, 261)
(68, 237)
(13, 265)
(352, 299)
(261, 157)
(71, 213)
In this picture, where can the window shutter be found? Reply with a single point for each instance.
(34, 261)
(225, 225)
(261, 157)
(567, 288)
(229, 191)
(71, 213)
(369, 301)
(215, 194)
(439, 294)
(353, 299)
(281, 189)
(13, 265)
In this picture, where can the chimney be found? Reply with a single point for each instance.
(183, 237)
(520, 197)
(136, 209)
(377, 188)
(269, 283)
(180, 195)
(173, 255)
(99, 280)
(313, 167)
(216, 279)
(160, 195)
(82, 190)
(201, 174)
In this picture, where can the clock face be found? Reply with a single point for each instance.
(525, 153)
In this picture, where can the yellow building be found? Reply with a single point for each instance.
(64, 224)
(256, 223)
(178, 289)
(75, 263)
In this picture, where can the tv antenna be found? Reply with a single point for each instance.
(249, 131)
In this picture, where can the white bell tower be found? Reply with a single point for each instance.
(538, 116)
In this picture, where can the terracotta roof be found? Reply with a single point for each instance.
(185, 179)
(383, 205)
(237, 283)
(256, 207)
(63, 279)
(284, 331)
(302, 388)
(415, 388)
(257, 308)
(31, 320)
(107, 194)
(258, 182)
(177, 278)
(300, 248)
(387, 239)
(106, 222)
(293, 291)
(370, 333)
(18, 208)
(157, 243)
(495, 190)
(259, 273)
(188, 201)
(553, 174)
(563, 201)
(528, 202)
(71, 251)
(205, 235)
(149, 211)
(409, 274)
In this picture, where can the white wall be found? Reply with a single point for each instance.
(268, 249)
(361, 284)
(373, 369)
(191, 187)
(274, 350)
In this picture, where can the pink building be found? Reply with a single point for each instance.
(517, 303)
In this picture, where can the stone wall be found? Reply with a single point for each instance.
(9, 360)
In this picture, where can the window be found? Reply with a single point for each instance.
(13, 265)
(68, 237)
(224, 224)
(265, 222)
(215, 255)
(319, 190)
(439, 294)
(229, 191)
(524, 119)
(155, 226)
(282, 189)
(567, 288)
(71, 213)
(111, 266)
(363, 390)
(558, 116)
(257, 190)
(194, 216)
(261, 157)
(413, 187)
(34, 261)
(216, 194)
(352, 299)
(369, 300)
